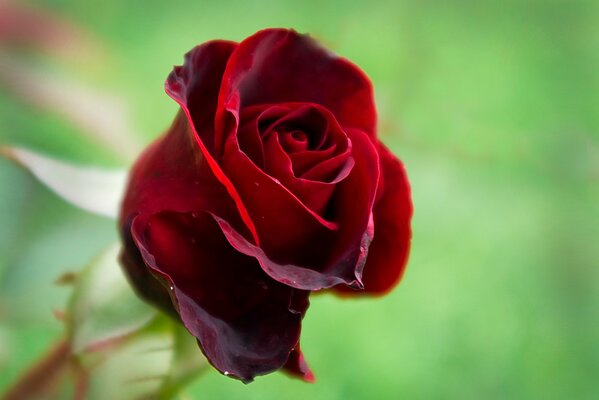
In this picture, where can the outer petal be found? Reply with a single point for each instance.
(246, 323)
(280, 66)
(196, 84)
(147, 286)
(175, 172)
(172, 174)
(388, 254)
(297, 366)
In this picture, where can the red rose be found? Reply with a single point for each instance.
(270, 184)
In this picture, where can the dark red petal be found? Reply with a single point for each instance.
(352, 205)
(241, 318)
(304, 161)
(147, 286)
(388, 254)
(182, 86)
(289, 274)
(172, 174)
(294, 141)
(197, 82)
(280, 66)
(333, 170)
(297, 366)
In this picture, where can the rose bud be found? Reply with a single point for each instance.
(271, 183)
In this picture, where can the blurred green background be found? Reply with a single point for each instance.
(492, 105)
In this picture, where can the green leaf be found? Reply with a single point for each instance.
(95, 190)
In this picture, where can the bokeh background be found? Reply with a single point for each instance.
(492, 105)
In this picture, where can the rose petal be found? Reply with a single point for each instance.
(289, 274)
(172, 174)
(196, 85)
(146, 285)
(352, 205)
(241, 317)
(388, 254)
(279, 65)
(297, 366)
(197, 82)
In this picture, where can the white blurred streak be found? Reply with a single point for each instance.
(100, 116)
(92, 189)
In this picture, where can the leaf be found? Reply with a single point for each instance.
(94, 190)
(103, 307)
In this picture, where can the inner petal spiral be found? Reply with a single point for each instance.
(294, 138)
(300, 145)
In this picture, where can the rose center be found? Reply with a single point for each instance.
(292, 140)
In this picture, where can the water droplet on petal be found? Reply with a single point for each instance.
(257, 184)
(227, 373)
(172, 288)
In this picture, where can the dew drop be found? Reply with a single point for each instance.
(227, 373)
(257, 184)
(172, 288)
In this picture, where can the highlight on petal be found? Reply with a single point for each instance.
(92, 189)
